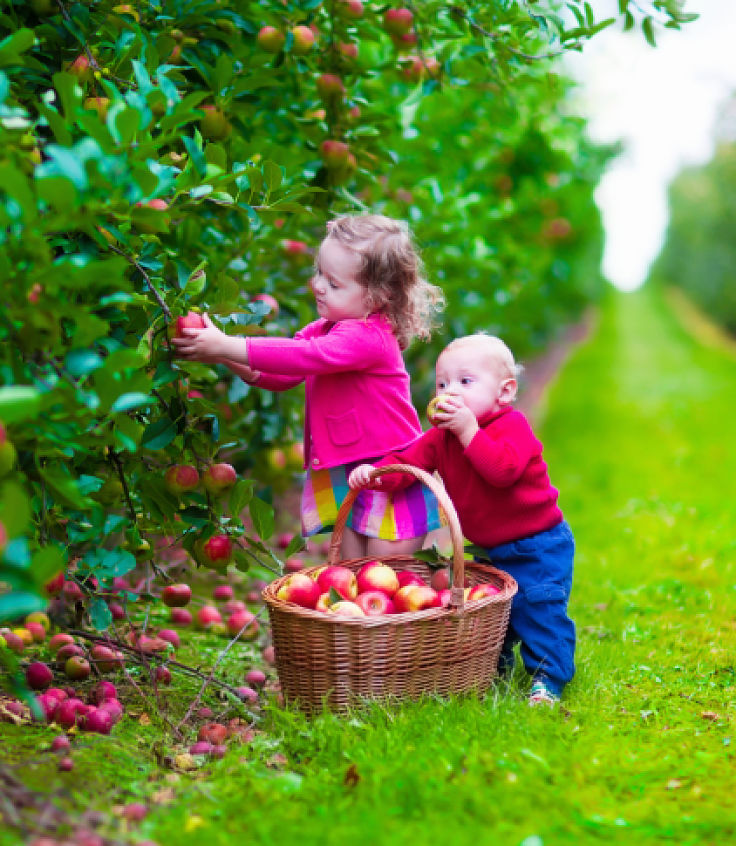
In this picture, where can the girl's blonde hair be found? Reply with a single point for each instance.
(391, 272)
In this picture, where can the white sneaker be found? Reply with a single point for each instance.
(540, 694)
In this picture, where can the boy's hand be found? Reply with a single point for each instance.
(453, 414)
(208, 345)
(361, 476)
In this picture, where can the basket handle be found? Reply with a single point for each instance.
(457, 590)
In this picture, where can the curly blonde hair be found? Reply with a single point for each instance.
(391, 272)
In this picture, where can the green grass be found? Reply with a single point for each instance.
(638, 435)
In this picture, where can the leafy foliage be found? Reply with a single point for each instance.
(699, 252)
(155, 158)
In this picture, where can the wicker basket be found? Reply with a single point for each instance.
(336, 661)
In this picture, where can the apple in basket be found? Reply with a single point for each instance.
(416, 598)
(299, 589)
(375, 575)
(406, 577)
(324, 602)
(374, 603)
(481, 591)
(346, 608)
(341, 579)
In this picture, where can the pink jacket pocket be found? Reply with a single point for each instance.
(344, 429)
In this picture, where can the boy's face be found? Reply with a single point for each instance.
(335, 285)
(476, 377)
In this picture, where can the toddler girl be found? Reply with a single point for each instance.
(372, 301)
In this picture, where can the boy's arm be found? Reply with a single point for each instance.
(501, 452)
(421, 453)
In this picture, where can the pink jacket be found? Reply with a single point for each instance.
(358, 403)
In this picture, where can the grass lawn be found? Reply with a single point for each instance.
(638, 434)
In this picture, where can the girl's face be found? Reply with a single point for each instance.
(335, 285)
(477, 379)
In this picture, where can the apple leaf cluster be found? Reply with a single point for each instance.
(166, 157)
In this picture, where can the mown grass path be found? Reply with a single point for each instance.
(639, 434)
(639, 438)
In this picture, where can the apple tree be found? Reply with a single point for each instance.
(183, 155)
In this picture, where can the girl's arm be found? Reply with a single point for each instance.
(269, 381)
(211, 344)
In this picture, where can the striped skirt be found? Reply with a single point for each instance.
(407, 513)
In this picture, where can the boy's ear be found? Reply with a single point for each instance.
(508, 391)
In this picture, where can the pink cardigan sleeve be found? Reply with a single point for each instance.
(349, 345)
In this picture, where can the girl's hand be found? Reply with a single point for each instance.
(361, 476)
(208, 345)
(454, 415)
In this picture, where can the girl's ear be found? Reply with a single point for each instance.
(508, 390)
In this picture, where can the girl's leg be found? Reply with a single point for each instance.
(360, 546)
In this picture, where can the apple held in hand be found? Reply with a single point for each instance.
(377, 576)
(192, 320)
(340, 578)
(301, 590)
(432, 407)
(374, 603)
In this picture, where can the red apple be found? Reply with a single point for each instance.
(181, 617)
(219, 478)
(416, 598)
(398, 21)
(77, 667)
(105, 658)
(406, 577)
(58, 640)
(214, 125)
(340, 578)
(303, 40)
(256, 678)
(38, 675)
(482, 591)
(373, 603)
(330, 87)
(176, 596)
(233, 605)
(38, 633)
(207, 616)
(162, 675)
(324, 602)
(39, 617)
(377, 576)
(293, 565)
(346, 608)
(67, 651)
(301, 590)
(98, 721)
(270, 39)
(218, 551)
(350, 9)
(222, 593)
(296, 250)
(243, 619)
(284, 539)
(53, 586)
(445, 596)
(170, 636)
(102, 691)
(181, 478)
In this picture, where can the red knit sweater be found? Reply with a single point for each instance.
(498, 485)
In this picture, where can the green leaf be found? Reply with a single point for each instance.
(160, 434)
(335, 596)
(82, 362)
(99, 614)
(262, 515)
(19, 402)
(647, 27)
(15, 508)
(240, 495)
(46, 563)
(296, 544)
(63, 487)
(15, 44)
(126, 402)
(19, 603)
(273, 175)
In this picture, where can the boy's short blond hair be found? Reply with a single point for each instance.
(495, 351)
